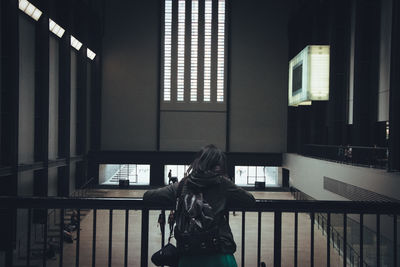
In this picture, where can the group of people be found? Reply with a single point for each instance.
(345, 153)
(161, 222)
(53, 245)
(72, 226)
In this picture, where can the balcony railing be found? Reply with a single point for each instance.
(376, 157)
(277, 207)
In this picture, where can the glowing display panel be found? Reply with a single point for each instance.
(309, 75)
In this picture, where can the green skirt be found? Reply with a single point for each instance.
(216, 260)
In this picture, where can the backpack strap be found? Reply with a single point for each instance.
(181, 184)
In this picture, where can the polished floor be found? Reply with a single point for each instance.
(118, 237)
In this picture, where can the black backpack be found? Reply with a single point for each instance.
(196, 231)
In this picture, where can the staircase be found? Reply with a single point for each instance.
(124, 173)
(352, 242)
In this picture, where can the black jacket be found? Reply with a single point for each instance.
(219, 192)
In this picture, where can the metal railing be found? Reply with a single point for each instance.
(277, 207)
(376, 157)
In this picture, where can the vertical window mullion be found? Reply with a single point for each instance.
(207, 50)
(181, 51)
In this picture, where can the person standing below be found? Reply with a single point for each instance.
(171, 222)
(207, 175)
(161, 222)
(170, 177)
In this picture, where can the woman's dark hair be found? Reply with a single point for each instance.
(209, 160)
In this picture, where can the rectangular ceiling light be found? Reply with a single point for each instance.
(75, 43)
(90, 54)
(55, 28)
(30, 9)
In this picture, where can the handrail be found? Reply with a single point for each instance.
(364, 207)
(356, 155)
(87, 183)
(347, 245)
(77, 193)
(277, 207)
(352, 146)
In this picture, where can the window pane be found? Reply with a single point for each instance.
(207, 50)
(193, 67)
(167, 50)
(221, 50)
(137, 174)
(177, 171)
(181, 50)
(248, 175)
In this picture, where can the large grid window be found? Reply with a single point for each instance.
(248, 175)
(194, 51)
(137, 174)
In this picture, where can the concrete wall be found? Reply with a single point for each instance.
(53, 96)
(258, 82)
(259, 75)
(73, 110)
(88, 103)
(188, 131)
(26, 103)
(53, 182)
(26, 89)
(130, 75)
(384, 60)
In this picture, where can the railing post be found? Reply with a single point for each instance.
(296, 230)
(45, 238)
(126, 237)
(344, 240)
(378, 240)
(61, 236)
(312, 240)
(395, 240)
(259, 239)
(78, 237)
(243, 235)
(110, 239)
(328, 240)
(94, 238)
(145, 238)
(361, 239)
(277, 238)
(163, 231)
(28, 253)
